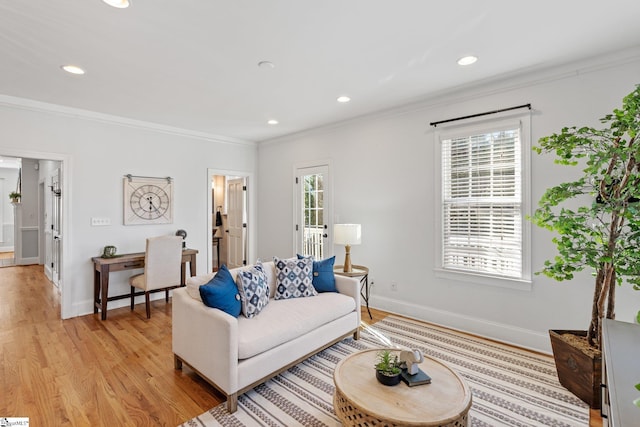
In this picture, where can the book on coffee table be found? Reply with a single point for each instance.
(417, 379)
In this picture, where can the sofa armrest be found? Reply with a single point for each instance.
(206, 339)
(350, 286)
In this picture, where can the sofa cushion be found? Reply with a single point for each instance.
(324, 280)
(221, 292)
(254, 291)
(294, 278)
(286, 319)
(194, 282)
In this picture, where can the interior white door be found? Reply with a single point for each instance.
(56, 234)
(236, 222)
(313, 212)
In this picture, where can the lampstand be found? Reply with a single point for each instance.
(347, 235)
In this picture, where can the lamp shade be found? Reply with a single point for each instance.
(347, 234)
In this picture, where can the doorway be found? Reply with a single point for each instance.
(9, 183)
(29, 233)
(313, 215)
(231, 224)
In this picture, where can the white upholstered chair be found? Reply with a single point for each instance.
(162, 267)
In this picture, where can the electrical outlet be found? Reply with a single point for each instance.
(100, 222)
(394, 286)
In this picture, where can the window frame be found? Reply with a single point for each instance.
(475, 127)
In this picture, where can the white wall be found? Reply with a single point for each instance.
(97, 152)
(383, 174)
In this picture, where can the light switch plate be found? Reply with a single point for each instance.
(99, 222)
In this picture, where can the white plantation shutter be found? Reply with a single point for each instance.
(482, 203)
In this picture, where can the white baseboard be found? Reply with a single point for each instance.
(48, 272)
(6, 248)
(28, 261)
(502, 332)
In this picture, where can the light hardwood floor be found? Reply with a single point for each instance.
(88, 372)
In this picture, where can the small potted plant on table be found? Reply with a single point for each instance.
(387, 367)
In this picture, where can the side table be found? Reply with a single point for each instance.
(358, 271)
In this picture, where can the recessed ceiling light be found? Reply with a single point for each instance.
(272, 122)
(73, 69)
(266, 64)
(343, 99)
(467, 60)
(120, 4)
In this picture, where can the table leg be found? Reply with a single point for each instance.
(218, 254)
(365, 296)
(192, 265)
(96, 289)
(104, 283)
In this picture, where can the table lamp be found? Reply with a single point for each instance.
(347, 235)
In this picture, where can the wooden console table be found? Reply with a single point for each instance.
(104, 266)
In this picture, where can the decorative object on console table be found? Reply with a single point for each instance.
(358, 271)
(347, 234)
(109, 251)
(147, 200)
(182, 233)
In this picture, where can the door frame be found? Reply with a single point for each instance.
(252, 220)
(66, 303)
(328, 216)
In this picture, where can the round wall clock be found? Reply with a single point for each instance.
(148, 200)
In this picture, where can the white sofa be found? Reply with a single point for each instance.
(236, 354)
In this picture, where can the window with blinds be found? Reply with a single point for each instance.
(482, 202)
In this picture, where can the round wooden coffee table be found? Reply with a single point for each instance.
(360, 400)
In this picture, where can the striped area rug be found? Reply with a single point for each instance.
(510, 387)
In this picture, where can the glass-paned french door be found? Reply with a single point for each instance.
(313, 215)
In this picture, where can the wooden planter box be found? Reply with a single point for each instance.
(578, 372)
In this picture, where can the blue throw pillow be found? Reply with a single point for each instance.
(222, 293)
(323, 278)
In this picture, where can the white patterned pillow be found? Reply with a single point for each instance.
(253, 288)
(294, 278)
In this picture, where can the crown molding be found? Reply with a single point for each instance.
(59, 110)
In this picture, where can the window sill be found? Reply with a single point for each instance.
(485, 279)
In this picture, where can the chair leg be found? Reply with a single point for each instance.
(146, 301)
(132, 297)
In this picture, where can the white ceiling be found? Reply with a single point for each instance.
(192, 64)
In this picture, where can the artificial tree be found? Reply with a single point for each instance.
(603, 233)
